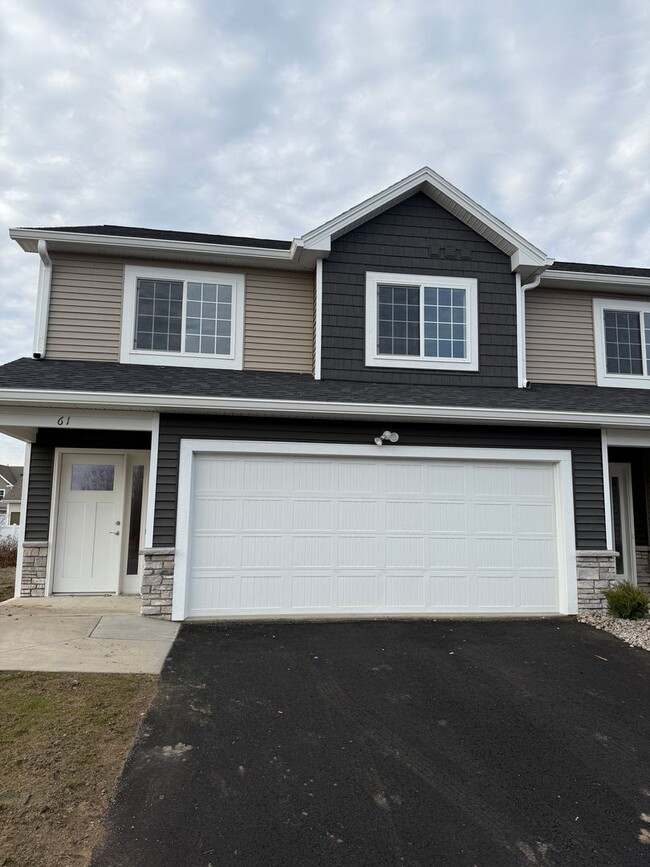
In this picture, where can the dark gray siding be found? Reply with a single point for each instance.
(417, 236)
(39, 493)
(585, 446)
(41, 468)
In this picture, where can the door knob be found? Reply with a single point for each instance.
(114, 532)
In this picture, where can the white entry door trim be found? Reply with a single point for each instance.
(89, 523)
(560, 461)
(125, 458)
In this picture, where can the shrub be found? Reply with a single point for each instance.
(8, 552)
(627, 600)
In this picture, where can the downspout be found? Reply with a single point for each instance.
(318, 319)
(42, 300)
(521, 290)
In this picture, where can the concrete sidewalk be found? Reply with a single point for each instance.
(82, 633)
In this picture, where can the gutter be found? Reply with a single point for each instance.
(295, 255)
(42, 300)
(15, 398)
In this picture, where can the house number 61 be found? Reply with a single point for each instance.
(63, 420)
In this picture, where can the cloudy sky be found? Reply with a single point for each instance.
(267, 117)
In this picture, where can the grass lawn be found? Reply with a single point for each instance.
(7, 578)
(63, 741)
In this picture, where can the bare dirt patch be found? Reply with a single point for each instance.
(63, 742)
(7, 579)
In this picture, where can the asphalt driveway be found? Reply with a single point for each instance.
(476, 744)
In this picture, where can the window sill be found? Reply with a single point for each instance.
(610, 380)
(414, 363)
(179, 359)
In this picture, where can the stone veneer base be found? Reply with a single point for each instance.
(596, 572)
(32, 581)
(157, 582)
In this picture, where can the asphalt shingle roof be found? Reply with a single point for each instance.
(587, 268)
(95, 376)
(168, 235)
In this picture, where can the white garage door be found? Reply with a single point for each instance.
(281, 534)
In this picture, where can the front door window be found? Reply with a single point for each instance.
(135, 519)
(620, 477)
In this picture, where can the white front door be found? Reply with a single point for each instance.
(620, 479)
(89, 524)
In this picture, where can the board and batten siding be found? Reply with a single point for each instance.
(86, 313)
(85, 308)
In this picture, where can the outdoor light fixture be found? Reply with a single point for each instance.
(387, 437)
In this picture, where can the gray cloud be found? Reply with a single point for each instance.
(266, 118)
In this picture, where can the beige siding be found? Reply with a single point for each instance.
(85, 308)
(86, 313)
(279, 325)
(560, 337)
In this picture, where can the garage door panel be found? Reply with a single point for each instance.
(406, 591)
(490, 480)
(538, 518)
(361, 552)
(492, 517)
(405, 552)
(446, 479)
(220, 475)
(313, 514)
(258, 551)
(208, 549)
(274, 535)
(533, 482)
(357, 592)
(357, 516)
(537, 591)
(210, 512)
(536, 553)
(311, 551)
(312, 592)
(494, 591)
(448, 592)
(311, 476)
(356, 477)
(448, 553)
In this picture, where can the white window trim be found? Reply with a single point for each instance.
(373, 359)
(129, 355)
(618, 380)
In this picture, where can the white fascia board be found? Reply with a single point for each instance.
(28, 238)
(625, 282)
(33, 415)
(322, 409)
(429, 182)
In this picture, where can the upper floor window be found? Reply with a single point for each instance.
(622, 331)
(186, 318)
(421, 322)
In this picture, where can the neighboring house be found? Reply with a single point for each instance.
(11, 492)
(409, 410)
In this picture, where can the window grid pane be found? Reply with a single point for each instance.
(208, 321)
(623, 342)
(398, 320)
(646, 329)
(444, 323)
(159, 308)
